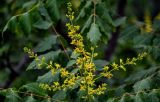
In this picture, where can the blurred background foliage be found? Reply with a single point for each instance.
(124, 29)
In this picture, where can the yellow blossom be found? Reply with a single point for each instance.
(57, 65)
(64, 72)
(106, 68)
(56, 84)
(107, 74)
(82, 87)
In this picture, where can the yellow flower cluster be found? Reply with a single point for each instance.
(148, 22)
(86, 76)
(69, 78)
(70, 14)
(40, 61)
(108, 73)
(84, 61)
(30, 53)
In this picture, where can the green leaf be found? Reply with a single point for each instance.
(87, 24)
(153, 96)
(142, 85)
(34, 88)
(53, 10)
(105, 28)
(35, 14)
(111, 100)
(11, 24)
(48, 77)
(12, 96)
(32, 65)
(107, 16)
(119, 21)
(140, 97)
(128, 33)
(74, 55)
(71, 63)
(75, 70)
(29, 4)
(94, 34)
(120, 90)
(46, 44)
(142, 40)
(25, 22)
(59, 95)
(41, 24)
(30, 99)
(88, 4)
(100, 64)
(82, 12)
(141, 74)
(126, 98)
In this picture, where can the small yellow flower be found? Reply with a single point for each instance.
(95, 54)
(89, 80)
(91, 91)
(115, 66)
(82, 87)
(64, 72)
(106, 68)
(100, 90)
(56, 84)
(57, 65)
(89, 65)
(107, 74)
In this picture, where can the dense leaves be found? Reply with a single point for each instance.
(39, 24)
(94, 33)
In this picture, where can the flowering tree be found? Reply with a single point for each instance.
(76, 59)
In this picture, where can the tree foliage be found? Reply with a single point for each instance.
(116, 29)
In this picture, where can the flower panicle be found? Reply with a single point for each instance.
(107, 70)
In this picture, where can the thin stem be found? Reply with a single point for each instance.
(32, 94)
(58, 35)
(53, 28)
(92, 55)
(94, 2)
(98, 77)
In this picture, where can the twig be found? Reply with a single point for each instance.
(58, 35)
(94, 13)
(32, 94)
